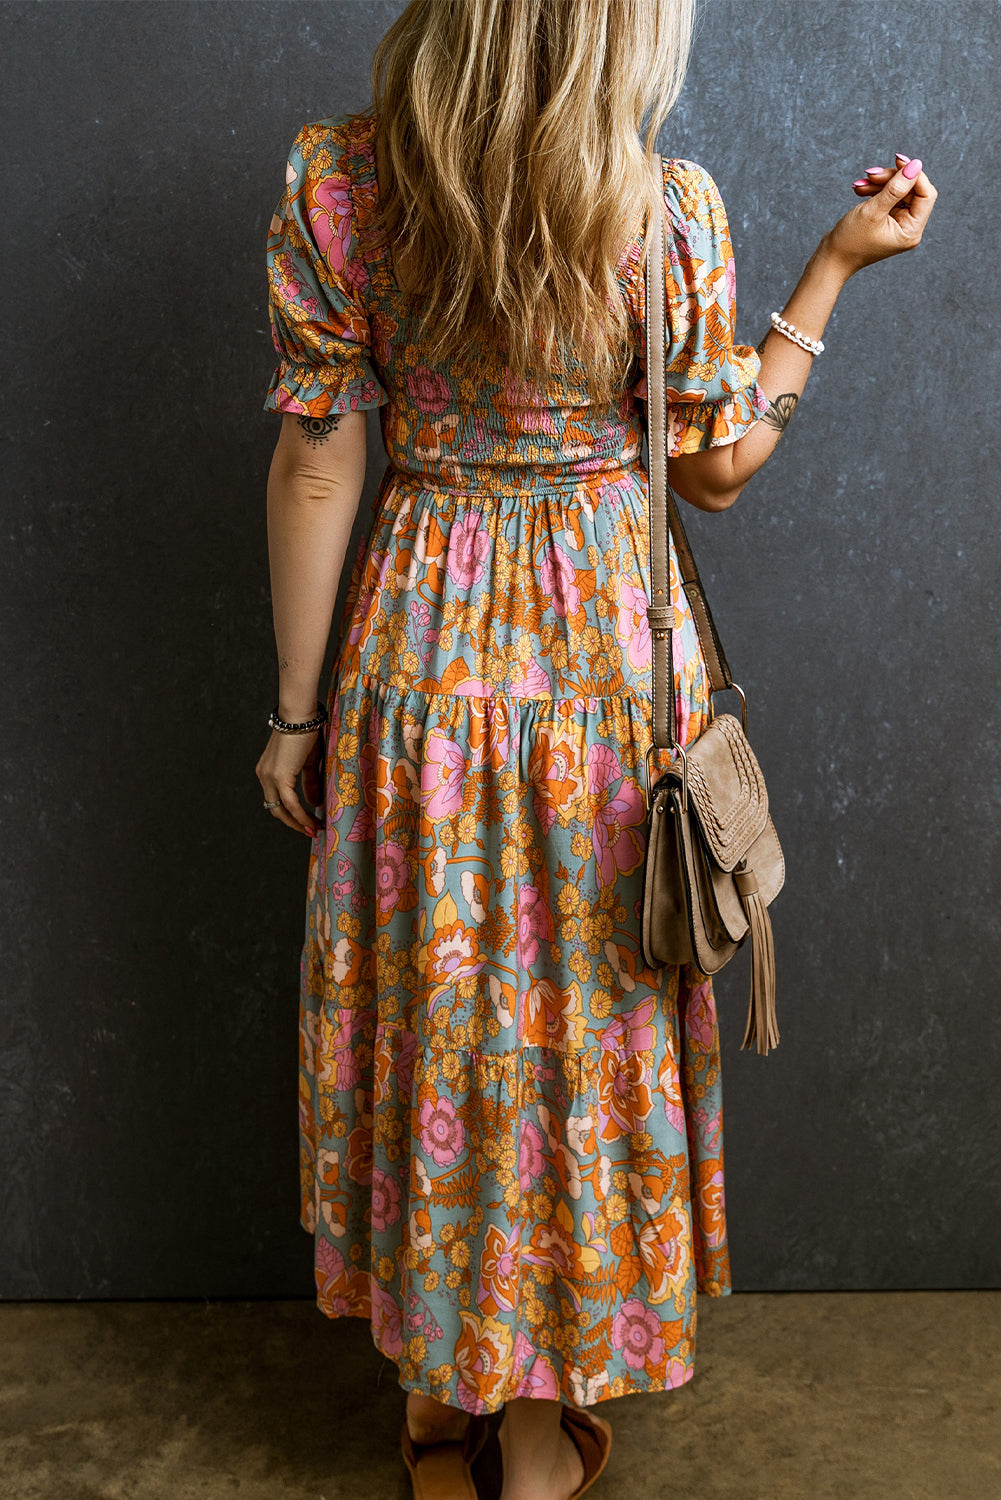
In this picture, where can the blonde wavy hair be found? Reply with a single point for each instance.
(510, 129)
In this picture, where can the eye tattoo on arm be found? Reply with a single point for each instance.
(317, 429)
(780, 410)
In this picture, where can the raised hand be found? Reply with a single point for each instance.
(897, 203)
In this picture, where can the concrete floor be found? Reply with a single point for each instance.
(797, 1395)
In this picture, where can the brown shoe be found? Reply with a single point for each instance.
(443, 1471)
(592, 1437)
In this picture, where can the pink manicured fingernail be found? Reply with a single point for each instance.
(912, 168)
(874, 170)
(901, 157)
(861, 182)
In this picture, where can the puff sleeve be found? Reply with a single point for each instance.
(712, 389)
(316, 277)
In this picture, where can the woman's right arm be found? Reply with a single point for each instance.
(881, 226)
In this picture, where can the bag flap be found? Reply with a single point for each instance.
(726, 790)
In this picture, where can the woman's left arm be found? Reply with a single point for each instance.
(314, 487)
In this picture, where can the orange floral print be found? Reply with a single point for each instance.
(510, 1127)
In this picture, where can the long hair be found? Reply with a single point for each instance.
(510, 129)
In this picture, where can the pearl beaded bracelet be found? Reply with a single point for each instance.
(812, 346)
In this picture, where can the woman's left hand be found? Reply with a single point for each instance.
(285, 756)
(876, 178)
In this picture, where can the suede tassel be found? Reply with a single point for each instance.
(762, 1027)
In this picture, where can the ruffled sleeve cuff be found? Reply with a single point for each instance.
(694, 422)
(323, 391)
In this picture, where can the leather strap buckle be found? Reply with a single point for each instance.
(743, 703)
(684, 776)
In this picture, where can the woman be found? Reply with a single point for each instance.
(511, 1127)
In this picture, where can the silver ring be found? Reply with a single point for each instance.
(270, 805)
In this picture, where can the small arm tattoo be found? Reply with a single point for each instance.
(780, 410)
(317, 429)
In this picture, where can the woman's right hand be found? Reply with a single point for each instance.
(891, 219)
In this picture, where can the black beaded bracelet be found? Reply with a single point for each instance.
(307, 725)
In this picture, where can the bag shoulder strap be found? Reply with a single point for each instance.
(665, 519)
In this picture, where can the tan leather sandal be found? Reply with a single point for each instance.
(443, 1471)
(592, 1437)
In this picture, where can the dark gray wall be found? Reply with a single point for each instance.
(153, 913)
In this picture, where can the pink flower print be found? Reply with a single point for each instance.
(612, 492)
(617, 837)
(537, 1377)
(385, 1200)
(603, 768)
(392, 873)
(631, 1030)
(708, 1127)
(425, 634)
(442, 1132)
(387, 1322)
(345, 1072)
(331, 221)
(632, 628)
(421, 1318)
(429, 390)
(288, 402)
(285, 275)
(540, 419)
(442, 774)
(636, 1331)
(532, 682)
(524, 395)
(617, 833)
(533, 924)
(700, 1017)
(468, 545)
(559, 579)
(681, 705)
(475, 444)
(530, 1158)
(405, 1064)
(342, 887)
(729, 288)
(329, 1261)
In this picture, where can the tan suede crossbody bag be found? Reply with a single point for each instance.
(713, 860)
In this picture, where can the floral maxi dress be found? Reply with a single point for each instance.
(510, 1125)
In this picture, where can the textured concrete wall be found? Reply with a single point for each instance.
(153, 914)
